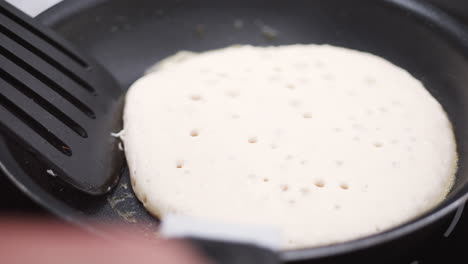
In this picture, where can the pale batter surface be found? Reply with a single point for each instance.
(325, 144)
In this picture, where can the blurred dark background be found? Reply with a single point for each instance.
(458, 8)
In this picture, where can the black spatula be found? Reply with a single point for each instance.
(52, 99)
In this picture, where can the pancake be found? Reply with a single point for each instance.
(324, 144)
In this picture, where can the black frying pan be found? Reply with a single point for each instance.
(128, 36)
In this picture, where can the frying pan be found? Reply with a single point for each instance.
(127, 37)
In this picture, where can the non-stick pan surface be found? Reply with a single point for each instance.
(127, 37)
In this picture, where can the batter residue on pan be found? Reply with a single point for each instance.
(325, 144)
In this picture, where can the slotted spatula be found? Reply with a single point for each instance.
(60, 104)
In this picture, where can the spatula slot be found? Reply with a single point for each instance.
(46, 58)
(24, 89)
(44, 37)
(35, 125)
(48, 82)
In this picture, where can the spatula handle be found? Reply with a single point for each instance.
(219, 252)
